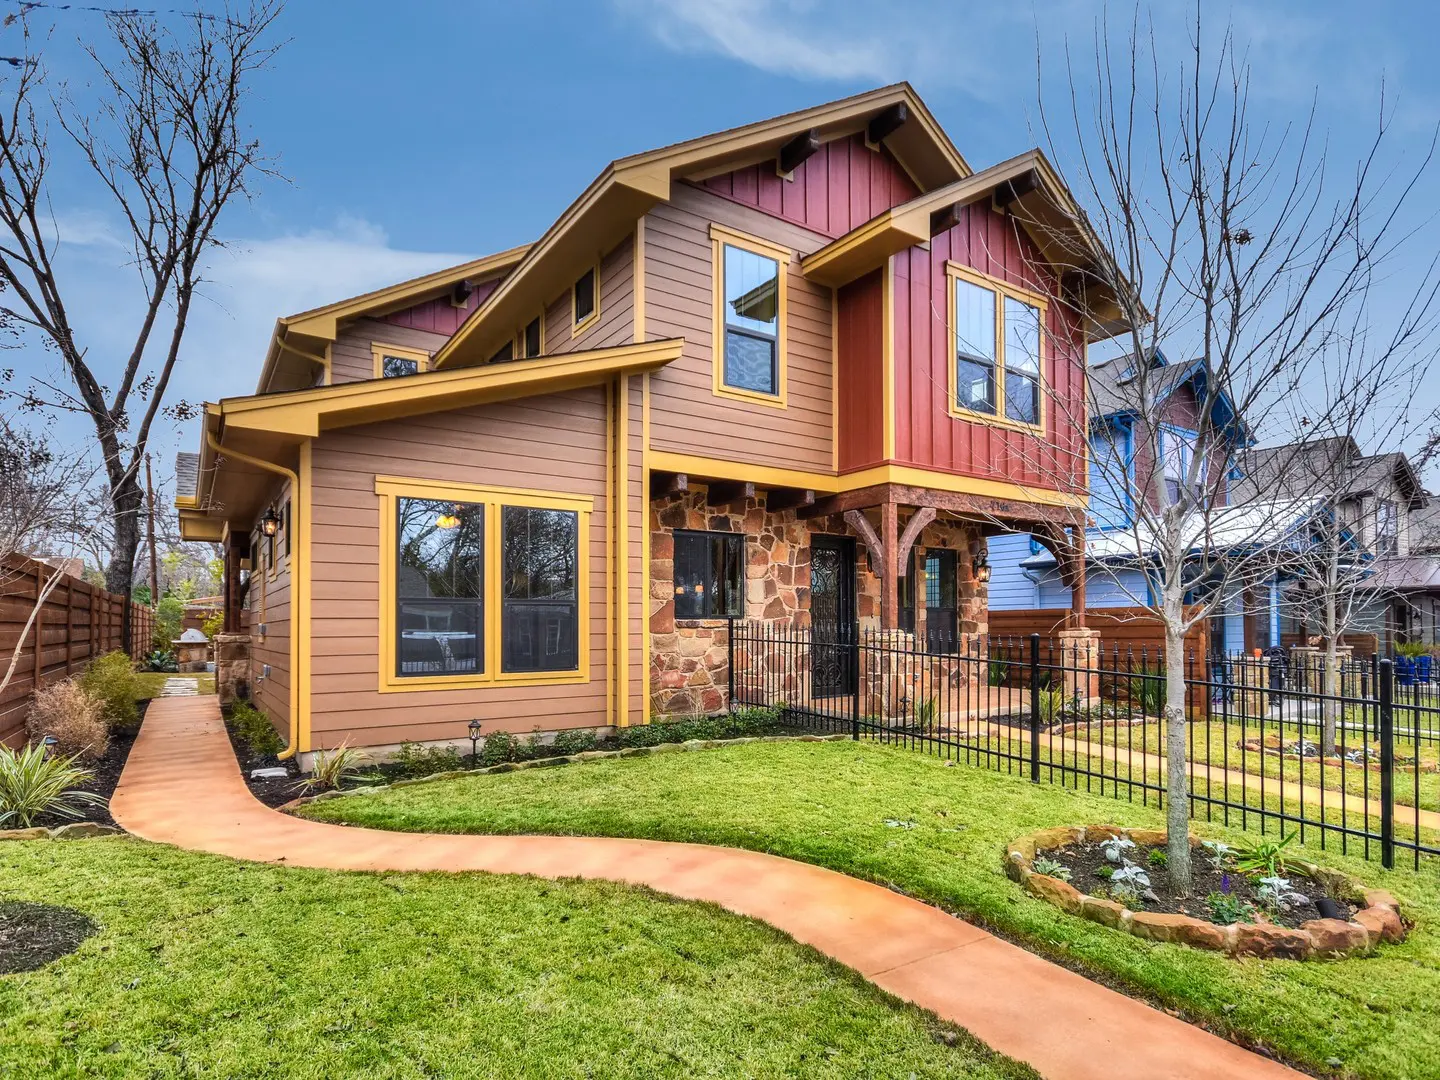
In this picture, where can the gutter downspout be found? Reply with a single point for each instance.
(293, 743)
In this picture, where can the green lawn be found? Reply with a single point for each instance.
(827, 803)
(208, 967)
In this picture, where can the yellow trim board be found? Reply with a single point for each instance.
(767, 476)
(306, 413)
(379, 351)
(392, 488)
(301, 591)
(720, 238)
(622, 551)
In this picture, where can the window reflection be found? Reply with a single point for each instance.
(439, 587)
(752, 321)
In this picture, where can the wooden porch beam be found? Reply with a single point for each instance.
(777, 499)
(797, 151)
(886, 123)
(1010, 190)
(726, 492)
(662, 483)
(890, 568)
(977, 506)
(863, 529)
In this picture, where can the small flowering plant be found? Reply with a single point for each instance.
(1115, 847)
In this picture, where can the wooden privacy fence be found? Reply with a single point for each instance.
(77, 622)
(1128, 629)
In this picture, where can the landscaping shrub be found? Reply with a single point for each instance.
(415, 760)
(161, 660)
(111, 680)
(499, 747)
(74, 716)
(213, 625)
(34, 783)
(254, 729)
(739, 724)
(169, 618)
(331, 768)
(572, 742)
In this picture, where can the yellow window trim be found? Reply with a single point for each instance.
(578, 327)
(519, 352)
(720, 236)
(379, 350)
(391, 488)
(955, 272)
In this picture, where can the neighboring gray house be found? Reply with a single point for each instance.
(1380, 499)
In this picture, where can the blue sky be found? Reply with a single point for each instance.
(416, 135)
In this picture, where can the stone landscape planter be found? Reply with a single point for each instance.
(1378, 920)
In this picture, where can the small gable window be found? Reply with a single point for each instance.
(995, 350)
(397, 361)
(709, 574)
(532, 339)
(750, 318)
(585, 300)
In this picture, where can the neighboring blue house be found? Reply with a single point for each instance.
(1024, 573)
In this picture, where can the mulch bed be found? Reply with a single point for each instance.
(1085, 858)
(273, 793)
(32, 935)
(107, 776)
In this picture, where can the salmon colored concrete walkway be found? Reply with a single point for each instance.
(181, 786)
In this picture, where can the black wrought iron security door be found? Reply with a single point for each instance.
(832, 616)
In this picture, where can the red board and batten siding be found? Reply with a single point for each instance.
(842, 186)
(860, 372)
(926, 434)
(440, 316)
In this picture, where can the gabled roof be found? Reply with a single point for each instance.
(299, 339)
(1108, 388)
(1033, 193)
(608, 209)
(1333, 464)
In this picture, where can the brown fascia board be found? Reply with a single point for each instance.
(629, 187)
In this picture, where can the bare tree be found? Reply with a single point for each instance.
(1229, 244)
(168, 147)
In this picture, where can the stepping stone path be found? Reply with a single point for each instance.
(177, 687)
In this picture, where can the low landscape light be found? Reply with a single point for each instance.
(474, 741)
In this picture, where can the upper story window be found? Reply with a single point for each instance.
(709, 574)
(1387, 527)
(1109, 478)
(995, 350)
(395, 361)
(532, 338)
(750, 298)
(481, 585)
(1176, 448)
(585, 300)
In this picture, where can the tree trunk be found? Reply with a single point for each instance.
(1329, 705)
(125, 501)
(1177, 776)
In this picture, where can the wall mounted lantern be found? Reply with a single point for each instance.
(270, 523)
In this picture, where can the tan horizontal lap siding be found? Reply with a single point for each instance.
(686, 415)
(352, 358)
(615, 325)
(552, 443)
(269, 604)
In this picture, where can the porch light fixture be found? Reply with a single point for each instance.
(982, 568)
(474, 742)
(448, 520)
(270, 523)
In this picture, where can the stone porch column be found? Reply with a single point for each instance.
(232, 667)
(1080, 661)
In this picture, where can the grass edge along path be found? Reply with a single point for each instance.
(935, 830)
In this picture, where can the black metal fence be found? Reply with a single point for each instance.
(1271, 743)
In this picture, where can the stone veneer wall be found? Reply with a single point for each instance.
(689, 658)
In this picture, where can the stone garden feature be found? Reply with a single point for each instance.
(1259, 916)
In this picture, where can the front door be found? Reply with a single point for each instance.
(941, 593)
(832, 616)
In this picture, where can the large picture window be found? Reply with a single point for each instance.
(996, 369)
(540, 624)
(439, 588)
(481, 585)
(750, 318)
(709, 574)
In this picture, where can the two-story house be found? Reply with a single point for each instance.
(1381, 501)
(793, 371)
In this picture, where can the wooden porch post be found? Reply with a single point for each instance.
(1077, 588)
(890, 566)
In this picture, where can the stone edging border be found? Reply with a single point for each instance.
(569, 759)
(78, 830)
(1378, 920)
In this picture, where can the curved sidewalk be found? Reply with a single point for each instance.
(182, 786)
